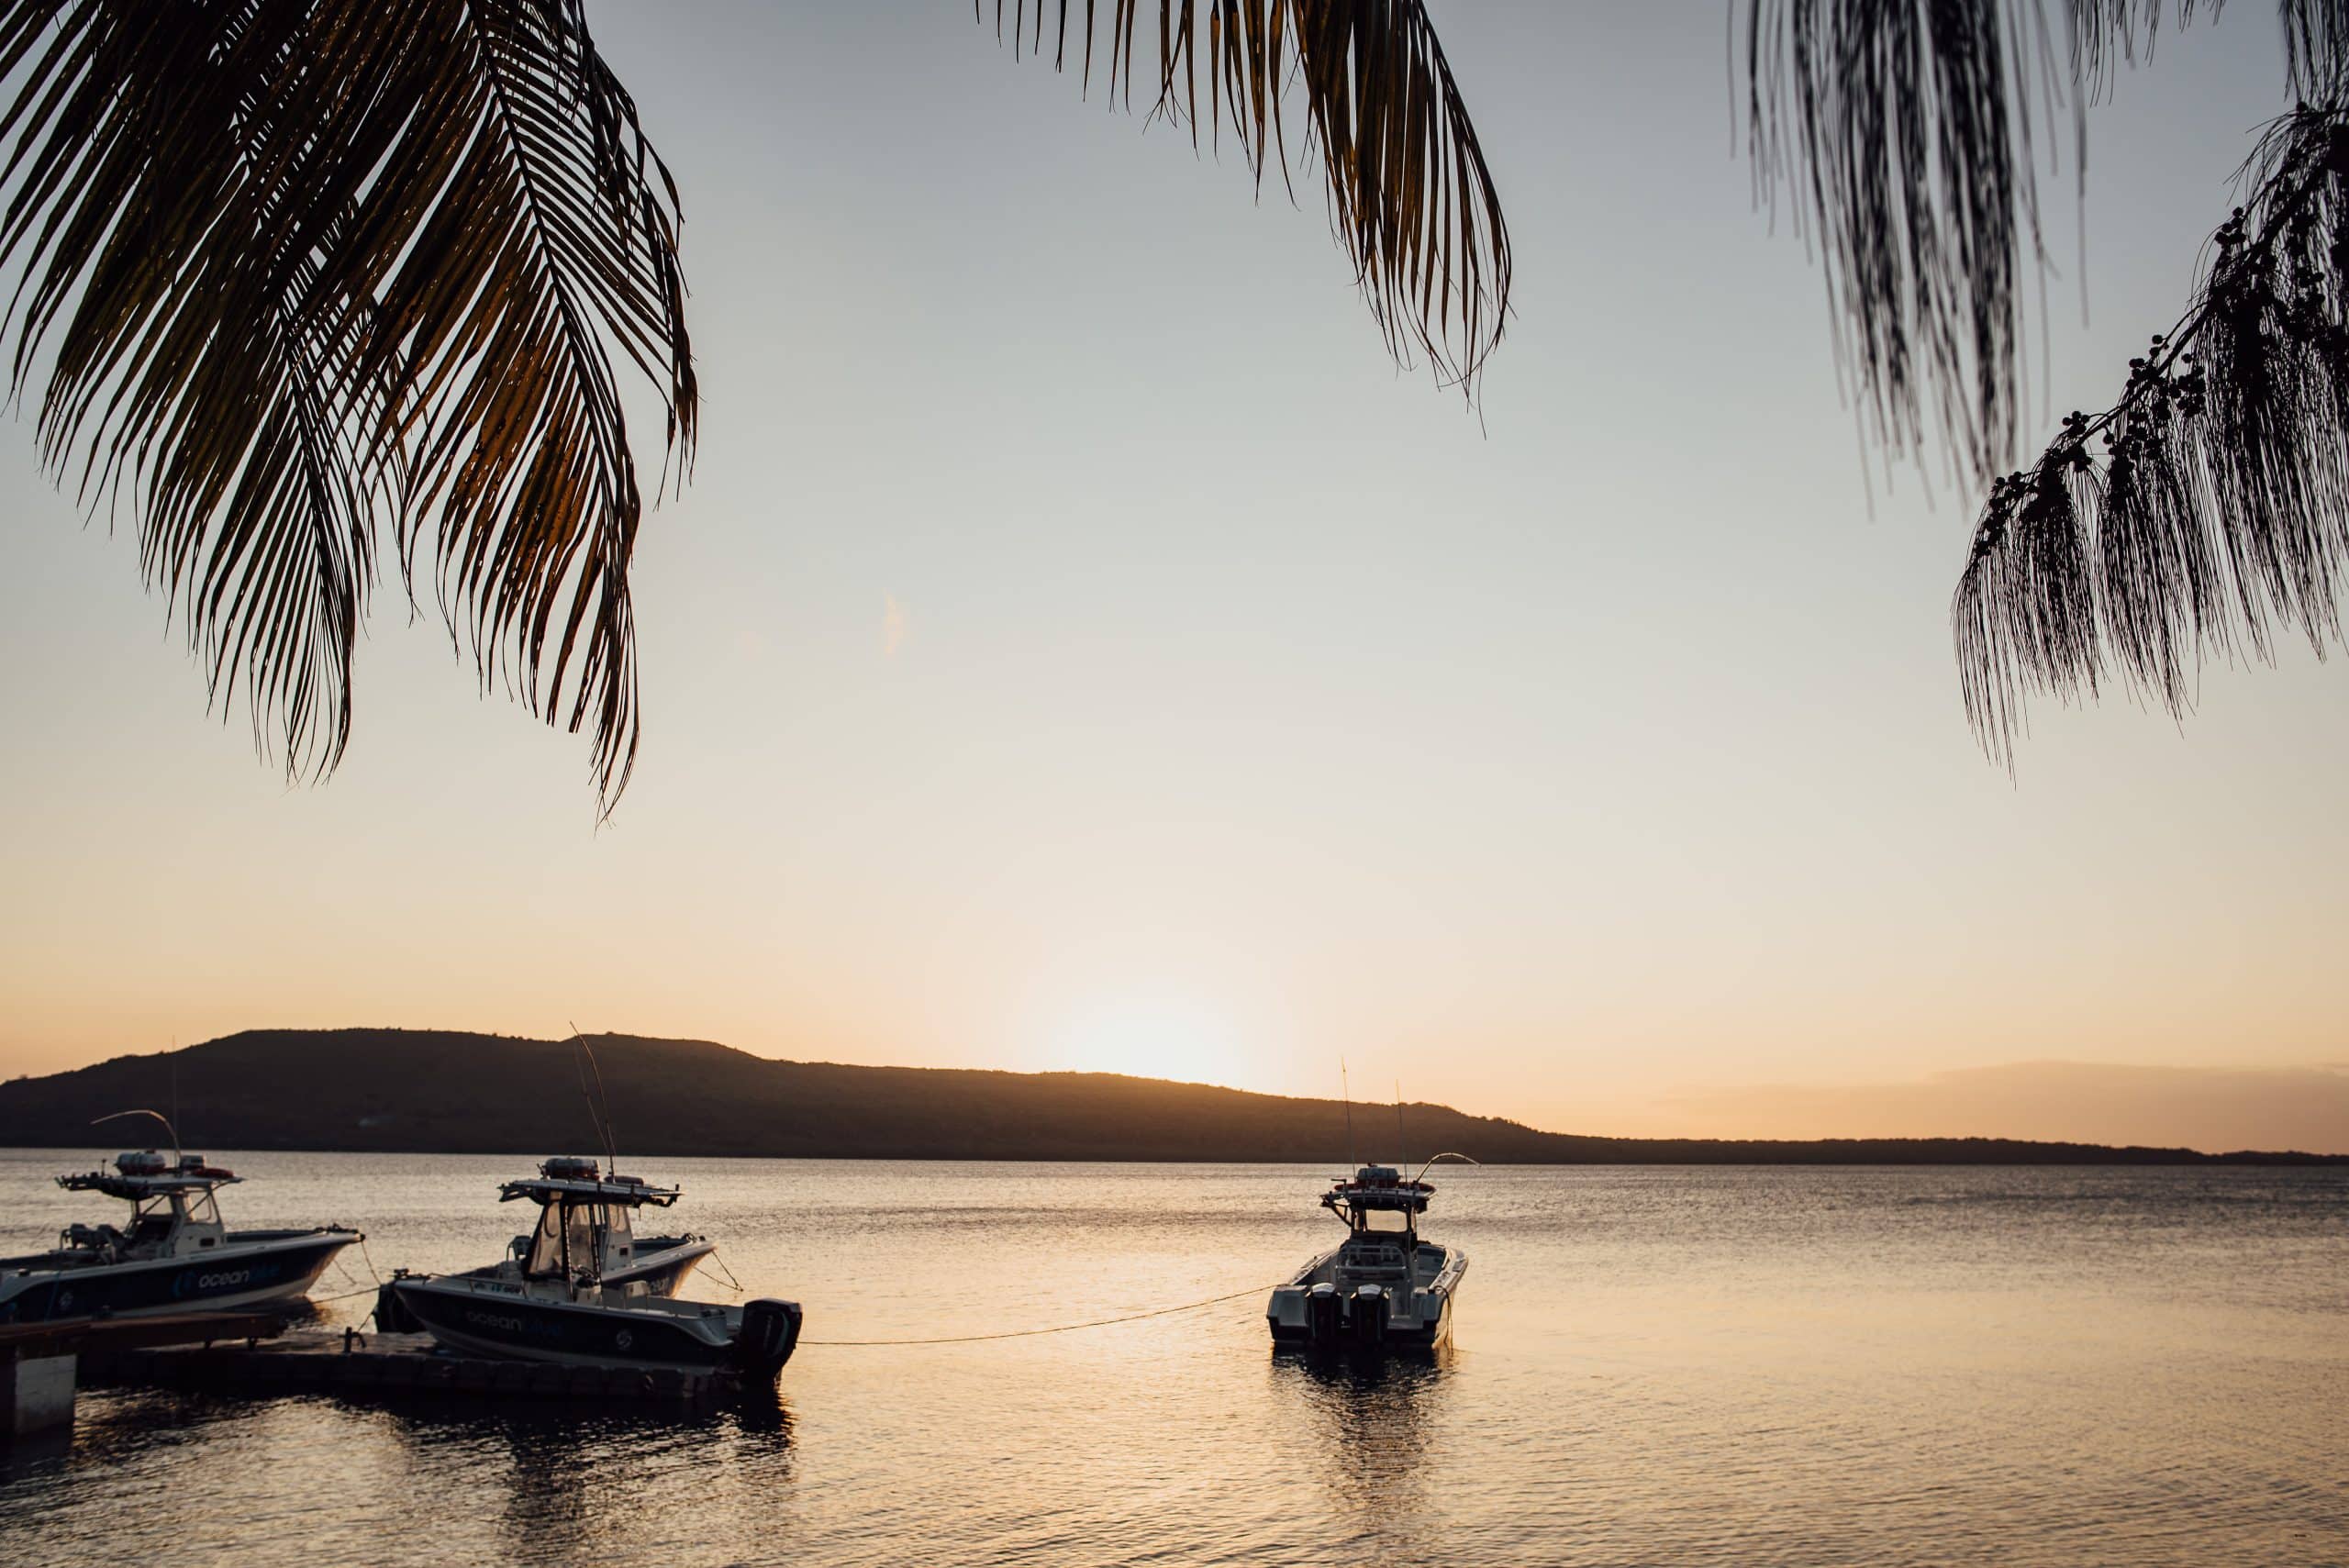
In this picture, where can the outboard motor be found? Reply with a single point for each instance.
(770, 1333)
(1372, 1308)
(1325, 1313)
(392, 1316)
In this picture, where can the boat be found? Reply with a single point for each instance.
(1382, 1286)
(579, 1290)
(176, 1256)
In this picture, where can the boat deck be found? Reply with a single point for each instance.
(381, 1364)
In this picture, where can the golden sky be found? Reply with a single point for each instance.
(1079, 649)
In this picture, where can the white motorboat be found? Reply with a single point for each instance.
(578, 1290)
(176, 1256)
(1383, 1285)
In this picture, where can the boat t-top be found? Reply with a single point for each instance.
(176, 1256)
(1382, 1286)
(579, 1290)
(660, 1263)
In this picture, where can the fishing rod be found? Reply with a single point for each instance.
(1346, 1093)
(1447, 1154)
(602, 1119)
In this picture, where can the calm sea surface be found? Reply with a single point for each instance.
(1652, 1365)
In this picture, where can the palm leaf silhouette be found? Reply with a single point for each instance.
(2206, 510)
(1411, 200)
(307, 265)
(307, 269)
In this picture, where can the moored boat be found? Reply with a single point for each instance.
(1382, 1286)
(579, 1290)
(176, 1256)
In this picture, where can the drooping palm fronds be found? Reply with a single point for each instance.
(1410, 199)
(1903, 133)
(2206, 510)
(310, 267)
(1905, 129)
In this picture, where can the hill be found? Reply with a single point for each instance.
(435, 1091)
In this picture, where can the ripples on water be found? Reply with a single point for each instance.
(1653, 1365)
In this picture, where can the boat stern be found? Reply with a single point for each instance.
(768, 1334)
(1321, 1312)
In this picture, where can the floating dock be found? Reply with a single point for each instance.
(40, 1362)
(383, 1363)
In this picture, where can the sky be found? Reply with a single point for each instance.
(1081, 647)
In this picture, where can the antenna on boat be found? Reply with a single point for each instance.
(603, 1119)
(1347, 1093)
(1400, 1157)
(158, 1115)
(1447, 1154)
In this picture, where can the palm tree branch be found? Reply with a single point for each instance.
(1410, 198)
(2208, 506)
(1903, 135)
(302, 262)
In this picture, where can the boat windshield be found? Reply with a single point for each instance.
(154, 1219)
(1384, 1221)
(572, 1236)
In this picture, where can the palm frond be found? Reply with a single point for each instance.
(2206, 510)
(305, 265)
(1410, 198)
(1903, 129)
(1905, 135)
(2316, 48)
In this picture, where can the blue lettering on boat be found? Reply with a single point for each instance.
(206, 1282)
(511, 1323)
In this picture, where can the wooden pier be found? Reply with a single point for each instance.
(383, 1363)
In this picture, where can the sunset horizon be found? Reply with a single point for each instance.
(913, 784)
(2278, 1107)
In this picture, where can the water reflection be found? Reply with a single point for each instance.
(35, 1454)
(566, 1484)
(1371, 1418)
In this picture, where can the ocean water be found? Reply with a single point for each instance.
(1652, 1365)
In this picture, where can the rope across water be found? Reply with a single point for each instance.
(969, 1339)
(1057, 1329)
(346, 1295)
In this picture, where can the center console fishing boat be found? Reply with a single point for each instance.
(175, 1257)
(580, 1290)
(1383, 1285)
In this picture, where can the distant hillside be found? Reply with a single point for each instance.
(432, 1091)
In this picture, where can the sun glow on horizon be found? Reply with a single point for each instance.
(1152, 1036)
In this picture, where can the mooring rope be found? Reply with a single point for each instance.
(346, 1295)
(960, 1339)
(732, 1284)
(1057, 1329)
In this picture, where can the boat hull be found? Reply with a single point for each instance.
(240, 1274)
(663, 1262)
(507, 1326)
